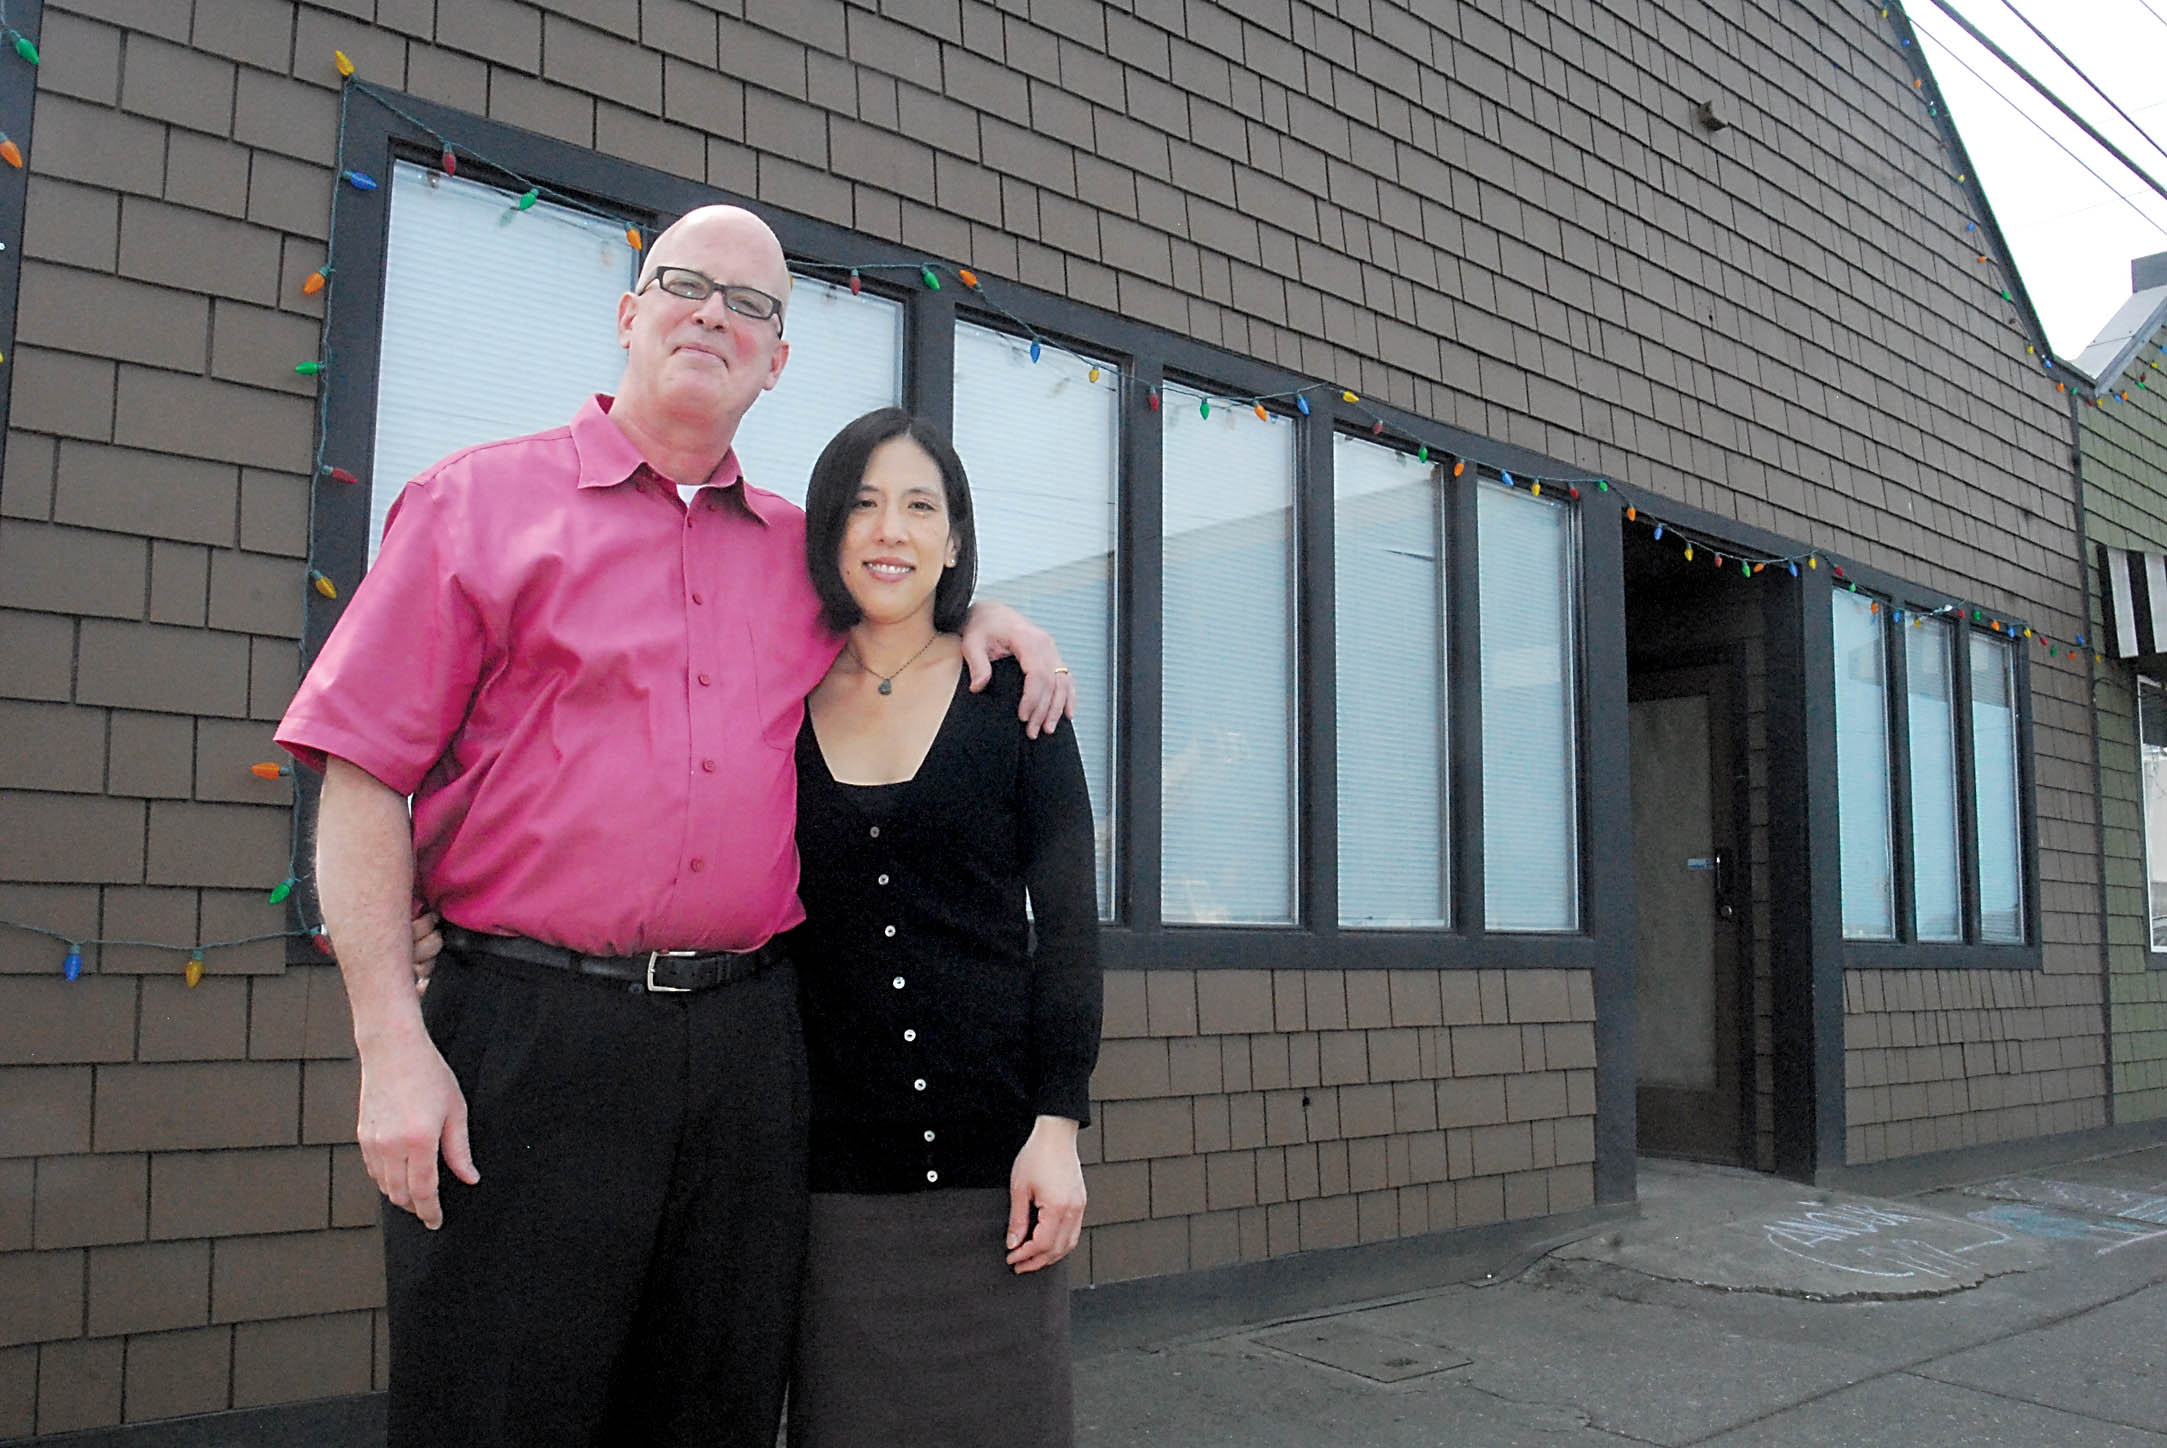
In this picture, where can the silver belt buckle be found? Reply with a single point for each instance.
(655, 955)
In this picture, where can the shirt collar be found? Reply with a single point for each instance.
(607, 458)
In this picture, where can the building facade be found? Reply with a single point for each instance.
(1572, 557)
(2122, 438)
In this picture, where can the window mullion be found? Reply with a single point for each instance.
(1967, 782)
(1316, 678)
(1142, 566)
(1463, 632)
(1900, 820)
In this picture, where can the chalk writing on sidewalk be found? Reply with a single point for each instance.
(1883, 1242)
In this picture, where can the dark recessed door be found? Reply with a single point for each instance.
(1687, 940)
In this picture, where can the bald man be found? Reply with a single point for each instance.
(584, 655)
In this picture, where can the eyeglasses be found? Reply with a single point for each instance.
(683, 281)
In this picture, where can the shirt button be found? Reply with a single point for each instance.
(698, 865)
(706, 679)
(910, 1035)
(699, 598)
(882, 880)
(688, 520)
(918, 1085)
(897, 982)
(876, 832)
(929, 1136)
(887, 930)
(708, 765)
(932, 1176)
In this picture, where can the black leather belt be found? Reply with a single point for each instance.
(661, 971)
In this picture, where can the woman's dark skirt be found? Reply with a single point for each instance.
(914, 1333)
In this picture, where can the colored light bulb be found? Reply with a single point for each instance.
(1094, 375)
(10, 152)
(25, 49)
(337, 475)
(322, 584)
(1345, 396)
(1301, 403)
(634, 239)
(270, 769)
(280, 891)
(315, 281)
(1151, 398)
(345, 65)
(932, 282)
(1262, 415)
(309, 368)
(72, 966)
(1203, 407)
(449, 162)
(1036, 350)
(194, 973)
(857, 283)
(359, 180)
(970, 278)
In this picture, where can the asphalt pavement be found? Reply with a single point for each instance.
(1731, 1309)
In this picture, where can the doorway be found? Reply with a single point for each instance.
(1690, 1004)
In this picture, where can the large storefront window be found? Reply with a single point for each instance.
(1227, 746)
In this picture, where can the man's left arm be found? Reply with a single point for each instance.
(996, 631)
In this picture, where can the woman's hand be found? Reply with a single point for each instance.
(1047, 1176)
(992, 631)
(427, 945)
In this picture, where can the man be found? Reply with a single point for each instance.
(584, 654)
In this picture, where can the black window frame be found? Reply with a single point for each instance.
(376, 135)
(1906, 950)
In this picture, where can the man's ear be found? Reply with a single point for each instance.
(628, 307)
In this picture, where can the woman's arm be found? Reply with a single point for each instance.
(1059, 864)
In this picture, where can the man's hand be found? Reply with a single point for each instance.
(996, 631)
(1048, 1176)
(428, 944)
(411, 1108)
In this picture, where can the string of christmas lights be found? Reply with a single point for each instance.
(71, 964)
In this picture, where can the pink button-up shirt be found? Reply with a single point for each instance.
(591, 690)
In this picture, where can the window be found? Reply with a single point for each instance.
(1937, 861)
(846, 359)
(1946, 728)
(2152, 770)
(1389, 562)
(1044, 500)
(1453, 664)
(1862, 770)
(1227, 776)
(1530, 767)
(1994, 762)
(459, 261)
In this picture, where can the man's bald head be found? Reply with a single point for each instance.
(743, 233)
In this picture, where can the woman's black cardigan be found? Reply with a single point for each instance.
(940, 1018)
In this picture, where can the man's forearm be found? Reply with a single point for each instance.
(365, 879)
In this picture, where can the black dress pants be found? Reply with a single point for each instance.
(626, 1272)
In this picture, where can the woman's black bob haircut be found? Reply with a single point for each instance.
(834, 487)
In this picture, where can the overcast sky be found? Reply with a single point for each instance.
(2073, 234)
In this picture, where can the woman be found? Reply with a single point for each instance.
(950, 1033)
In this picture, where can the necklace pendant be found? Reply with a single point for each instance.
(887, 686)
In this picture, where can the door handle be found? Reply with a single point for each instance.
(1719, 865)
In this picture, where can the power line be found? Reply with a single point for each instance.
(2162, 19)
(2052, 99)
(2010, 5)
(2033, 122)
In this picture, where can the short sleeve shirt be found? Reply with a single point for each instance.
(591, 690)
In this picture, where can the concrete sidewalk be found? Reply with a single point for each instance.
(1733, 1310)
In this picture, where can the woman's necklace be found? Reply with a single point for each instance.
(887, 681)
